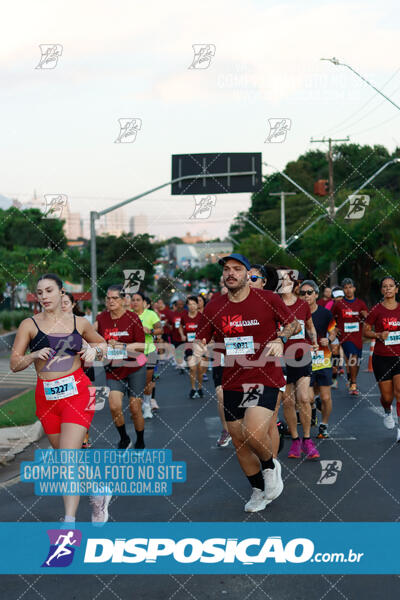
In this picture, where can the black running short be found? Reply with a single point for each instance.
(236, 403)
(293, 374)
(217, 375)
(385, 367)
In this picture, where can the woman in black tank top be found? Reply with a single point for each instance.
(59, 341)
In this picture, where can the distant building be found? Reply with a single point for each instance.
(138, 225)
(113, 223)
(192, 239)
(198, 255)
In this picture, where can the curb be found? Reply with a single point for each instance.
(14, 440)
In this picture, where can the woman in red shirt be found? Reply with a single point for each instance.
(187, 329)
(383, 325)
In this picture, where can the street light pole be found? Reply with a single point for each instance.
(336, 62)
(296, 237)
(96, 215)
(283, 215)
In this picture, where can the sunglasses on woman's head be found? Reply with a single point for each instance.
(308, 292)
(255, 277)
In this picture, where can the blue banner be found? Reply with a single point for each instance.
(200, 548)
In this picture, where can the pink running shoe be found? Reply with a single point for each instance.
(295, 449)
(309, 449)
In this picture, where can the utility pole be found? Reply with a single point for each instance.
(283, 216)
(333, 266)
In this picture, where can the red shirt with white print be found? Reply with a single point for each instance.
(242, 330)
(384, 319)
(349, 320)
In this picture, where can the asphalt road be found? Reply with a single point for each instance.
(367, 488)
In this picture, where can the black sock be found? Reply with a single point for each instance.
(153, 393)
(388, 410)
(295, 439)
(256, 481)
(139, 445)
(334, 375)
(305, 438)
(122, 432)
(267, 464)
(313, 414)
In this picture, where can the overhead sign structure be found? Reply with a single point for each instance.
(218, 173)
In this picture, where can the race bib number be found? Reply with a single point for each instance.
(239, 345)
(302, 333)
(393, 338)
(351, 327)
(177, 323)
(60, 388)
(116, 353)
(191, 337)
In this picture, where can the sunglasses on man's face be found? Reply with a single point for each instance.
(306, 292)
(255, 277)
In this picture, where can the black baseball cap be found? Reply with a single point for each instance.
(239, 257)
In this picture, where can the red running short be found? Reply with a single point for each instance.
(78, 409)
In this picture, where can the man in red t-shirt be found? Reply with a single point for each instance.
(350, 313)
(244, 323)
(123, 332)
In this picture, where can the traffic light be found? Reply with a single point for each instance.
(321, 187)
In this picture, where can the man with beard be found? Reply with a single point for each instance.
(244, 322)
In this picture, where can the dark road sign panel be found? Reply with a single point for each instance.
(204, 169)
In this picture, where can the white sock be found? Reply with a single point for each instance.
(146, 399)
(68, 519)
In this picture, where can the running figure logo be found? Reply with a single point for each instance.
(62, 547)
(357, 207)
(203, 53)
(50, 55)
(278, 129)
(330, 471)
(252, 393)
(133, 279)
(128, 129)
(203, 207)
(54, 204)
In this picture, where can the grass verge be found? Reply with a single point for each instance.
(20, 411)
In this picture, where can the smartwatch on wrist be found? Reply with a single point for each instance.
(283, 338)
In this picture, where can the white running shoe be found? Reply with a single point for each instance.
(273, 481)
(398, 435)
(257, 501)
(147, 414)
(100, 508)
(388, 420)
(153, 404)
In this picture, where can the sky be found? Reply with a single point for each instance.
(130, 59)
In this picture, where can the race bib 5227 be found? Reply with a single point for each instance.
(60, 388)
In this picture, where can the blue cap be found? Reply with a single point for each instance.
(239, 257)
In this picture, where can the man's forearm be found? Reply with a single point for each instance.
(290, 329)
